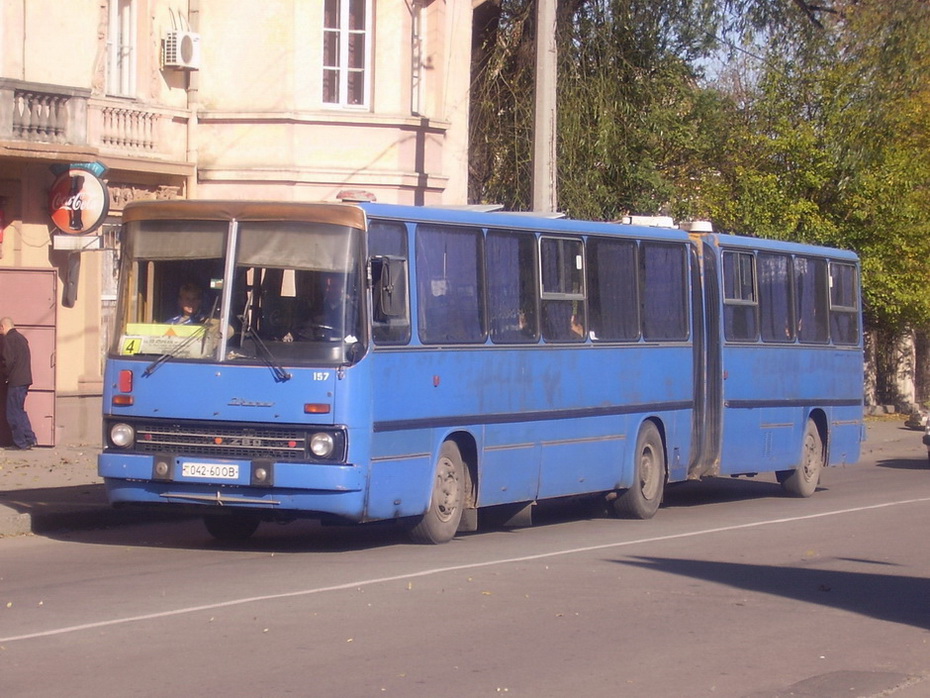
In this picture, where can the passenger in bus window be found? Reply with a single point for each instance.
(190, 300)
(562, 322)
(577, 326)
(326, 321)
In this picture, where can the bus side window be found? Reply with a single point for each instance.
(739, 296)
(510, 261)
(450, 293)
(775, 297)
(844, 308)
(613, 298)
(562, 289)
(391, 311)
(387, 240)
(664, 295)
(811, 300)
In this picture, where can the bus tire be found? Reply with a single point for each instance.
(643, 499)
(447, 501)
(231, 527)
(803, 480)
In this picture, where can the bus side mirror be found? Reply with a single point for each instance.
(389, 277)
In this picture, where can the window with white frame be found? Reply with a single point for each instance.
(121, 48)
(346, 52)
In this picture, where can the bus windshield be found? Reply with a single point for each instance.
(284, 292)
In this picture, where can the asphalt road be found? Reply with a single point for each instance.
(732, 590)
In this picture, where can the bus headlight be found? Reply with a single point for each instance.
(322, 444)
(122, 435)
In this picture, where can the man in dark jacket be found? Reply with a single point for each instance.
(17, 372)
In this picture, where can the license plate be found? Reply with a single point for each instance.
(210, 471)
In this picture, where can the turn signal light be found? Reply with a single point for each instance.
(316, 408)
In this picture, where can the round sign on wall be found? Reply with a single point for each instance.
(78, 201)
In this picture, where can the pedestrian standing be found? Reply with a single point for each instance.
(17, 372)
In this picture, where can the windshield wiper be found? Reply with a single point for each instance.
(197, 334)
(264, 353)
(280, 374)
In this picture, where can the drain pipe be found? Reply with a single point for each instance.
(193, 105)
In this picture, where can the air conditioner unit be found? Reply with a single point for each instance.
(181, 50)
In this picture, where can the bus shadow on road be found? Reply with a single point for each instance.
(903, 599)
(722, 489)
(299, 536)
(97, 523)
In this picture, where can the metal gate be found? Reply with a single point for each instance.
(28, 296)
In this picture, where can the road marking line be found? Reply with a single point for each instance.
(442, 570)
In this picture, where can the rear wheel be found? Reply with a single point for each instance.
(803, 480)
(441, 521)
(642, 500)
(231, 527)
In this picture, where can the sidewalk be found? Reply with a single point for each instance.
(54, 489)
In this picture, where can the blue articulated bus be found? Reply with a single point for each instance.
(371, 362)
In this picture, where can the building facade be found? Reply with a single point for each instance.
(300, 100)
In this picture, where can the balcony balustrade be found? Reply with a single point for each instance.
(70, 117)
(39, 113)
(126, 128)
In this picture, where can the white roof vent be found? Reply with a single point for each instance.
(698, 226)
(181, 49)
(649, 221)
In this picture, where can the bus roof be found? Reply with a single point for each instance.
(192, 209)
(353, 215)
(538, 222)
(769, 245)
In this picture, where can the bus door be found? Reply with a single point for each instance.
(707, 416)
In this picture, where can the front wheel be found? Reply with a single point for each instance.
(642, 500)
(441, 521)
(803, 480)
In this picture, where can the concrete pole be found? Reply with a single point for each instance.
(545, 197)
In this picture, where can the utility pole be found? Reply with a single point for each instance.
(545, 197)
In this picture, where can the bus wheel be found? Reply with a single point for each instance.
(441, 520)
(803, 480)
(642, 500)
(231, 527)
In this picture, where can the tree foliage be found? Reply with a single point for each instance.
(625, 92)
(787, 119)
(835, 149)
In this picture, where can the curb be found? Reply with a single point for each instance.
(63, 520)
(15, 525)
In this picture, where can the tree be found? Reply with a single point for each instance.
(835, 150)
(625, 94)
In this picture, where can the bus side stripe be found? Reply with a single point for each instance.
(518, 417)
(756, 404)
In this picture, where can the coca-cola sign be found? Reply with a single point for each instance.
(79, 200)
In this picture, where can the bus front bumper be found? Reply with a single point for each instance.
(337, 490)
